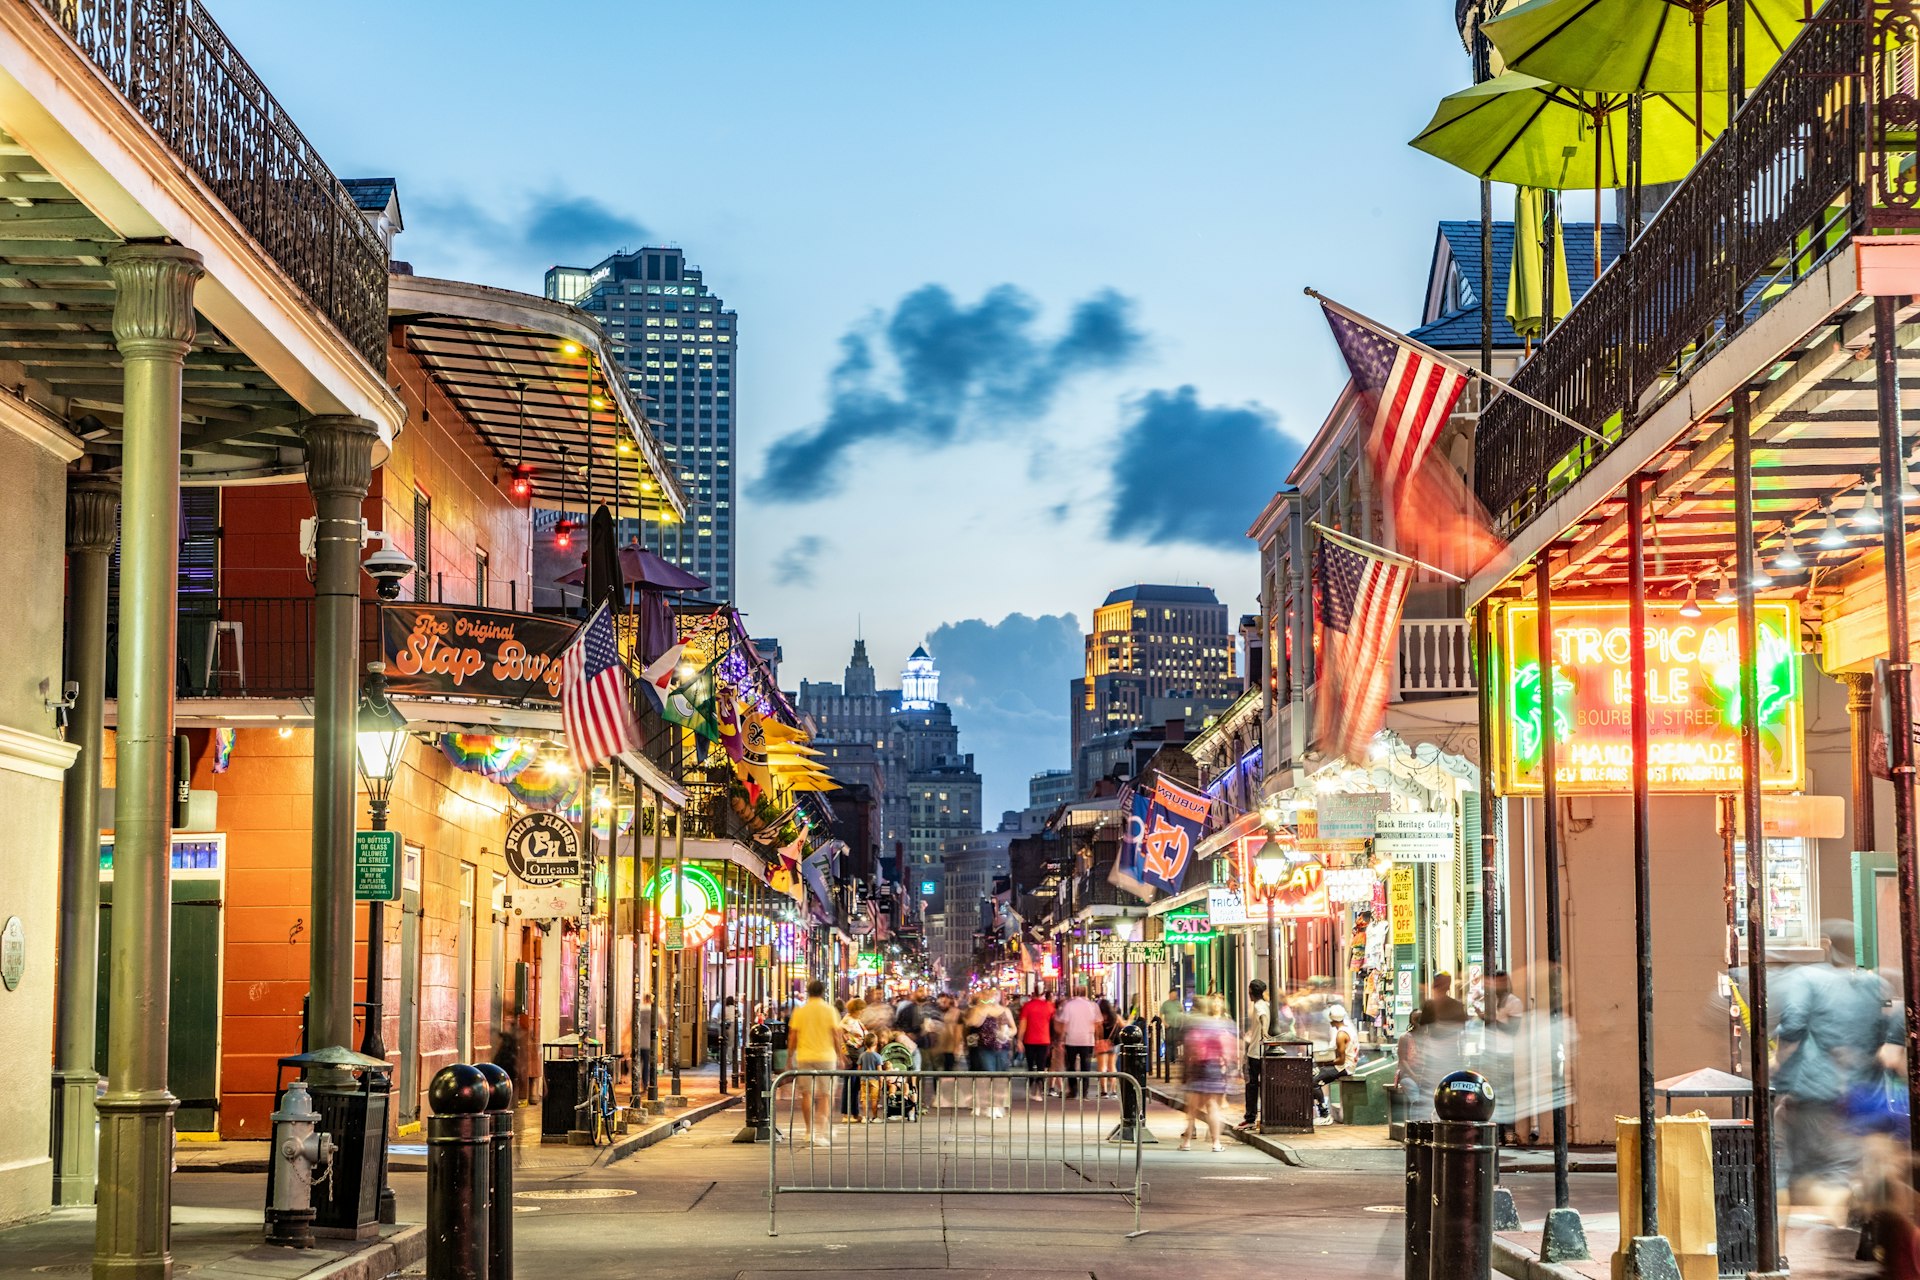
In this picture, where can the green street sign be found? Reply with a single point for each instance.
(376, 866)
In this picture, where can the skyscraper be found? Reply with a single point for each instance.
(1156, 653)
(679, 344)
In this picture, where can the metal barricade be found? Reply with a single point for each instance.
(956, 1133)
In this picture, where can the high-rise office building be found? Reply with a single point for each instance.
(1156, 653)
(680, 347)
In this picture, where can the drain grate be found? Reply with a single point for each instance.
(1386, 1208)
(575, 1193)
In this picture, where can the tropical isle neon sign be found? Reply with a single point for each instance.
(1692, 697)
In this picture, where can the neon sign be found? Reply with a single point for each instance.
(701, 910)
(1692, 697)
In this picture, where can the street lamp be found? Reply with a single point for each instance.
(1269, 867)
(1125, 928)
(380, 736)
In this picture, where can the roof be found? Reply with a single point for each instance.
(919, 651)
(372, 195)
(1168, 595)
(1459, 243)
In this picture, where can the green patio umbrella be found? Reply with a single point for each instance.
(1518, 128)
(1662, 46)
(1526, 283)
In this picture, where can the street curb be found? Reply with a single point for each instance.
(393, 1253)
(1520, 1262)
(661, 1132)
(1258, 1141)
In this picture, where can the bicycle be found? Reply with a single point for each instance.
(599, 1105)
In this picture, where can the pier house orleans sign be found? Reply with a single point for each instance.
(1692, 697)
(455, 651)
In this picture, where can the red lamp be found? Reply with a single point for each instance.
(563, 535)
(521, 486)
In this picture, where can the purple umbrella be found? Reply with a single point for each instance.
(643, 569)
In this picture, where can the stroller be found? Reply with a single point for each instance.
(898, 1100)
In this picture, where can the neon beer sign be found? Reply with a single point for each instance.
(1692, 696)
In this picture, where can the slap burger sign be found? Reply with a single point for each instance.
(455, 651)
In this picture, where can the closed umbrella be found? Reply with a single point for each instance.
(1659, 46)
(1526, 272)
(604, 584)
(1533, 133)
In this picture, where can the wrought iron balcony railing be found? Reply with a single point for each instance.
(1775, 196)
(182, 75)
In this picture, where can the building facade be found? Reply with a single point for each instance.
(677, 345)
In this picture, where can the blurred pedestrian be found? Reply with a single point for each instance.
(1103, 1047)
(1345, 1053)
(1079, 1020)
(1209, 1051)
(1036, 1038)
(644, 1040)
(813, 1044)
(1255, 1027)
(990, 1039)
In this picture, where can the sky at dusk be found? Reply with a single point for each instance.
(1019, 284)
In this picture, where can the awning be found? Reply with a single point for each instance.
(532, 376)
(1244, 825)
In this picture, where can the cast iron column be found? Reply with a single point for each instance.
(679, 958)
(1564, 1239)
(636, 1088)
(1766, 1237)
(1649, 1224)
(339, 472)
(153, 326)
(92, 504)
(1860, 736)
(1893, 536)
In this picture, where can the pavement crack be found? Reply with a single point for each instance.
(702, 1196)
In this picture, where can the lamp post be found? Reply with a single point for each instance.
(1124, 928)
(1269, 868)
(380, 737)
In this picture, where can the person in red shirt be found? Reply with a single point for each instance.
(1036, 1035)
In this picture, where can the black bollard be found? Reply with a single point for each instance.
(1133, 1099)
(1419, 1198)
(500, 1222)
(757, 1088)
(1465, 1148)
(459, 1169)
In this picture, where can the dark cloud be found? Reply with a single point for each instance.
(1007, 683)
(550, 229)
(1194, 473)
(936, 372)
(794, 566)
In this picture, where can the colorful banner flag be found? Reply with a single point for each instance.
(593, 695)
(689, 702)
(1360, 594)
(1164, 826)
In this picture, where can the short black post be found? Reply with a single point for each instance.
(1419, 1198)
(1465, 1149)
(1133, 1101)
(459, 1168)
(500, 1223)
(1157, 1047)
(757, 1088)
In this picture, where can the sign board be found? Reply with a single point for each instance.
(1349, 817)
(1804, 817)
(1301, 894)
(1692, 698)
(544, 901)
(1400, 905)
(1414, 837)
(1225, 906)
(1403, 989)
(452, 650)
(543, 848)
(376, 866)
(1193, 928)
(927, 888)
(676, 939)
(1350, 884)
(1147, 952)
(13, 952)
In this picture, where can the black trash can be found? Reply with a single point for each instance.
(1286, 1087)
(1732, 1142)
(563, 1085)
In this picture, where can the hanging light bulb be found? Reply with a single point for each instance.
(1725, 594)
(1691, 608)
(1761, 579)
(1868, 516)
(1788, 560)
(1831, 539)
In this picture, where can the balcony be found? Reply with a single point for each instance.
(1434, 659)
(180, 73)
(1777, 197)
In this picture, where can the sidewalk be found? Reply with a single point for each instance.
(1298, 1150)
(222, 1243)
(701, 1087)
(1812, 1252)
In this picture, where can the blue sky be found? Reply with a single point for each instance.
(1019, 284)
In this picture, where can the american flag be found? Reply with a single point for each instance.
(1409, 394)
(593, 695)
(1359, 610)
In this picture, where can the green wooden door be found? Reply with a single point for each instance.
(193, 1027)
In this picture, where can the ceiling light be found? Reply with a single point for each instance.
(1725, 594)
(1691, 609)
(1868, 516)
(1788, 559)
(1831, 539)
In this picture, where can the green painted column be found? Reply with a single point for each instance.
(93, 503)
(339, 472)
(153, 325)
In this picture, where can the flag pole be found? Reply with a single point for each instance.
(1371, 548)
(1459, 367)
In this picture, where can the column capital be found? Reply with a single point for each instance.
(1859, 689)
(339, 455)
(93, 502)
(153, 298)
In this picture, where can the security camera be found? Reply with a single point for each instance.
(388, 567)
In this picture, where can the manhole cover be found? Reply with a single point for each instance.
(576, 1193)
(1386, 1208)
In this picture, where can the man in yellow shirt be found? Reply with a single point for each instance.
(813, 1044)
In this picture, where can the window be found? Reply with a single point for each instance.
(1788, 892)
(422, 546)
